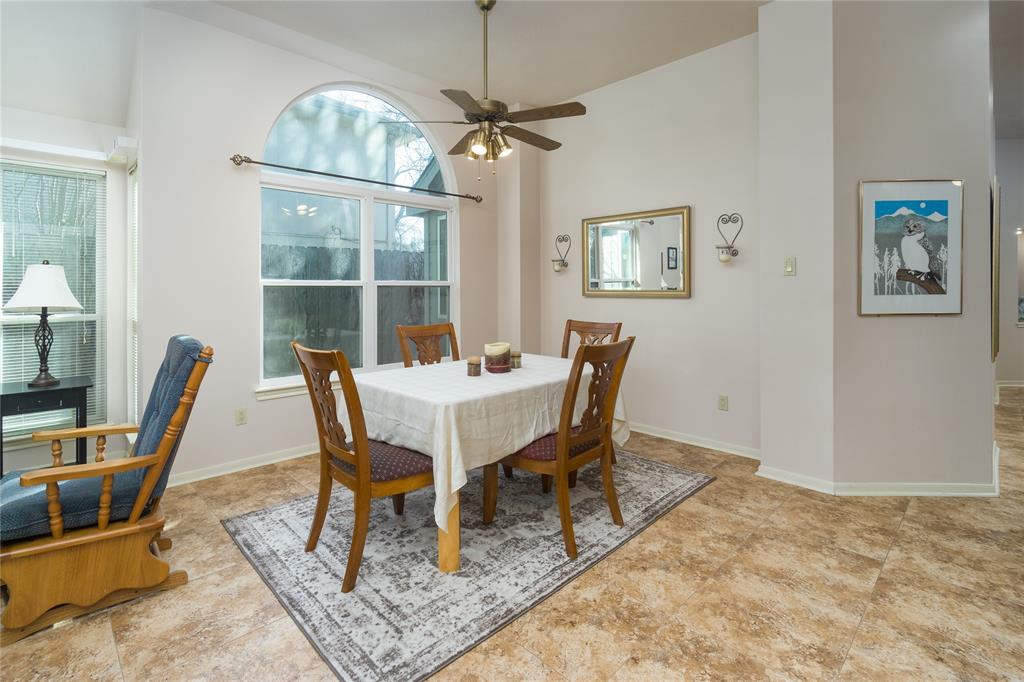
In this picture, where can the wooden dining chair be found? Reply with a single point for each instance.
(427, 339)
(591, 333)
(369, 468)
(564, 452)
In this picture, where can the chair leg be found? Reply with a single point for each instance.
(609, 486)
(572, 478)
(323, 501)
(355, 553)
(562, 492)
(398, 502)
(545, 483)
(507, 468)
(490, 491)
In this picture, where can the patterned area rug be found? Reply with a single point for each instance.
(404, 620)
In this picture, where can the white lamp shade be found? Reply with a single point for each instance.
(44, 286)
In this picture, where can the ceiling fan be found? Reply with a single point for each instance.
(493, 119)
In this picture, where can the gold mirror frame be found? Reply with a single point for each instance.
(684, 257)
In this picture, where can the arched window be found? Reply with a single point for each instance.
(342, 262)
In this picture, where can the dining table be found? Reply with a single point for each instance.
(463, 422)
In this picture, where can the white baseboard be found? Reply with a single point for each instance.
(1011, 383)
(240, 465)
(809, 482)
(689, 439)
(889, 489)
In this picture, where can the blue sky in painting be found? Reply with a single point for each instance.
(922, 207)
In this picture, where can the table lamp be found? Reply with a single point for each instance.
(44, 288)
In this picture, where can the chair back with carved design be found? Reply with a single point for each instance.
(607, 362)
(318, 369)
(428, 339)
(590, 333)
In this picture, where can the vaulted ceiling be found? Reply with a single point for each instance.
(540, 52)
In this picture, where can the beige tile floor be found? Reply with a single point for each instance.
(748, 579)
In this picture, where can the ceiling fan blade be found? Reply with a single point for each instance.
(544, 113)
(464, 100)
(462, 145)
(458, 123)
(523, 135)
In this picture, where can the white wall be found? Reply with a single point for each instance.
(1010, 170)
(913, 393)
(207, 94)
(796, 205)
(684, 133)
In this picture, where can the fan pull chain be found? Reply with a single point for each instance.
(478, 169)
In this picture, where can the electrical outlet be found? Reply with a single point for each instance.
(723, 403)
(789, 268)
(241, 416)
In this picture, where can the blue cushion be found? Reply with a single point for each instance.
(181, 356)
(23, 511)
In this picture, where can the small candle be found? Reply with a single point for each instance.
(517, 359)
(473, 366)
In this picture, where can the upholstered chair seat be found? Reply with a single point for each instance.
(23, 510)
(390, 462)
(545, 449)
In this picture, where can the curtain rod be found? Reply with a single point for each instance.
(238, 160)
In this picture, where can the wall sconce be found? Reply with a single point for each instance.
(728, 250)
(560, 263)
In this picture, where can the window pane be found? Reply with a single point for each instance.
(353, 133)
(409, 243)
(327, 318)
(407, 305)
(309, 236)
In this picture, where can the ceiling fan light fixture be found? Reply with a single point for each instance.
(492, 151)
(479, 144)
(471, 156)
(501, 145)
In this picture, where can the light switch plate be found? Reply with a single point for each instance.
(723, 403)
(789, 269)
(241, 416)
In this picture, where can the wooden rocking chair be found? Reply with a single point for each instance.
(103, 519)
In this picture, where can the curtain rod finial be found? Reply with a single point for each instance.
(238, 159)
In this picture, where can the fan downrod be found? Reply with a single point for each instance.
(486, 5)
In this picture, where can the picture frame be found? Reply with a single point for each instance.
(672, 258)
(910, 247)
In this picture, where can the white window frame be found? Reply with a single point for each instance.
(367, 195)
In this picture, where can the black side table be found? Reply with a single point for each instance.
(17, 397)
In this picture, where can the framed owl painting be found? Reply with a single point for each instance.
(911, 242)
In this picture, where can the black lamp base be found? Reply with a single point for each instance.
(42, 379)
(44, 340)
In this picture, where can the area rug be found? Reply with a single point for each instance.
(405, 620)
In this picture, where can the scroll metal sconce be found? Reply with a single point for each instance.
(561, 263)
(728, 250)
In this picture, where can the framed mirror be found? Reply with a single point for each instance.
(643, 254)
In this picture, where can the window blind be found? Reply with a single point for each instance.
(57, 214)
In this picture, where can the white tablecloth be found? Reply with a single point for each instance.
(465, 422)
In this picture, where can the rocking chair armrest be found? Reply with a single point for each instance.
(74, 471)
(86, 432)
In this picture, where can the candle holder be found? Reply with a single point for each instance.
(728, 250)
(473, 366)
(561, 263)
